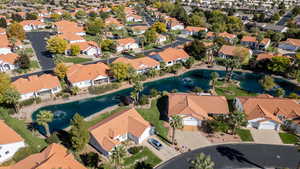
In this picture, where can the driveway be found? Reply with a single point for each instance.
(165, 153)
(191, 139)
(233, 156)
(265, 136)
(38, 42)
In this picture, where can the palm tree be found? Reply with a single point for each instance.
(175, 123)
(236, 120)
(12, 97)
(138, 88)
(214, 76)
(230, 65)
(117, 155)
(43, 118)
(202, 162)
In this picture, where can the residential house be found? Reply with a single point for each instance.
(134, 18)
(55, 156)
(69, 27)
(141, 65)
(225, 35)
(266, 56)
(138, 30)
(4, 45)
(170, 56)
(266, 112)
(195, 109)
(89, 48)
(37, 86)
(2, 31)
(290, 44)
(8, 61)
(252, 42)
(193, 30)
(83, 76)
(71, 37)
(161, 38)
(10, 142)
(114, 23)
(126, 44)
(227, 51)
(30, 25)
(121, 126)
(174, 24)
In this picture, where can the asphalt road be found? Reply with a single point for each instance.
(38, 42)
(233, 156)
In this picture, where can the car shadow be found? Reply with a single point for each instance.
(233, 154)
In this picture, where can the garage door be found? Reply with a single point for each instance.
(267, 126)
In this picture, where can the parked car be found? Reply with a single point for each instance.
(156, 144)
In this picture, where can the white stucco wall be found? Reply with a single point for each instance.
(8, 150)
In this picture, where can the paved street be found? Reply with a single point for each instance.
(231, 156)
(38, 42)
(165, 153)
(265, 136)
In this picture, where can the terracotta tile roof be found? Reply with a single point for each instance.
(78, 72)
(2, 31)
(36, 83)
(248, 39)
(31, 22)
(69, 36)
(171, 54)
(105, 9)
(227, 35)
(197, 106)
(8, 135)
(4, 42)
(84, 45)
(294, 42)
(265, 41)
(128, 121)
(68, 27)
(112, 21)
(265, 106)
(230, 50)
(139, 63)
(9, 58)
(125, 41)
(267, 55)
(54, 156)
(139, 27)
(195, 28)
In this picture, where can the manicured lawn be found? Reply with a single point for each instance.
(146, 154)
(245, 134)
(153, 116)
(75, 60)
(288, 138)
(231, 91)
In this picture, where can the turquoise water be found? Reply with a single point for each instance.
(184, 83)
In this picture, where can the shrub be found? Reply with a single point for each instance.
(53, 139)
(27, 102)
(23, 153)
(103, 88)
(65, 95)
(135, 150)
(154, 92)
(144, 100)
(38, 100)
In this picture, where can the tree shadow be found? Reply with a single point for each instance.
(64, 138)
(143, 165)
(162, 105)
(233, 154)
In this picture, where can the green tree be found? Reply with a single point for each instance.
(137, 89)
(176, 123)
(150, 36)
(280, 92)
(196, 20)
(60, 70)
(56, 45)
(189, 62)
(202, 162)
(95, 26)
(16, 30)
(120, 71)
(236, 119)
(276, 17)
(117, 156)
(80, 14)
(16, 17)
(75, 90)
(159, 27)
(108, 45)
(66, 16)
(12, 96)
(214, 76)
(196, 49)
(75, 50)
(3, 23)
(267, 83)
(4, 85)
(43, 118)
(234, 24)
(279, 64)
(55, 17)
(23, 61)
(31, 16)
(79, 134)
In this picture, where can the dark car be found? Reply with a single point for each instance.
(156, 144)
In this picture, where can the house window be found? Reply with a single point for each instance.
(6, 152)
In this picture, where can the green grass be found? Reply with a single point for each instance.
(75, 60)
(153, 116)
(151, 158)
(245, 134)
(90, 38)
(231, 91)
(288, 138)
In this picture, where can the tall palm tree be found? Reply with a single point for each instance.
(175, 123)
(202, 162)
(236, 120)
(214, 76)
(43, 118)
(138, 88)
(12, 97)
(117, 156)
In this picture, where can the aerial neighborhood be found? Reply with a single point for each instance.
(149, 84)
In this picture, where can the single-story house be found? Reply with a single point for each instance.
(36, 86)
(4, 45)
(193, 30)
(84, 76)
(126, 44)
(71, 37)
(121, 126)
(8, 62)
(251, 42)
(138, 30)
(195, 109)
(266, 112)
(170, 56)
(134, 18)
(141, 65)
(54, 156)
(113, 22)
(30, 25)
(227, 51)
(10, 142)
(225, 35)
(89, 48)
(290, 44)
(69, 27)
